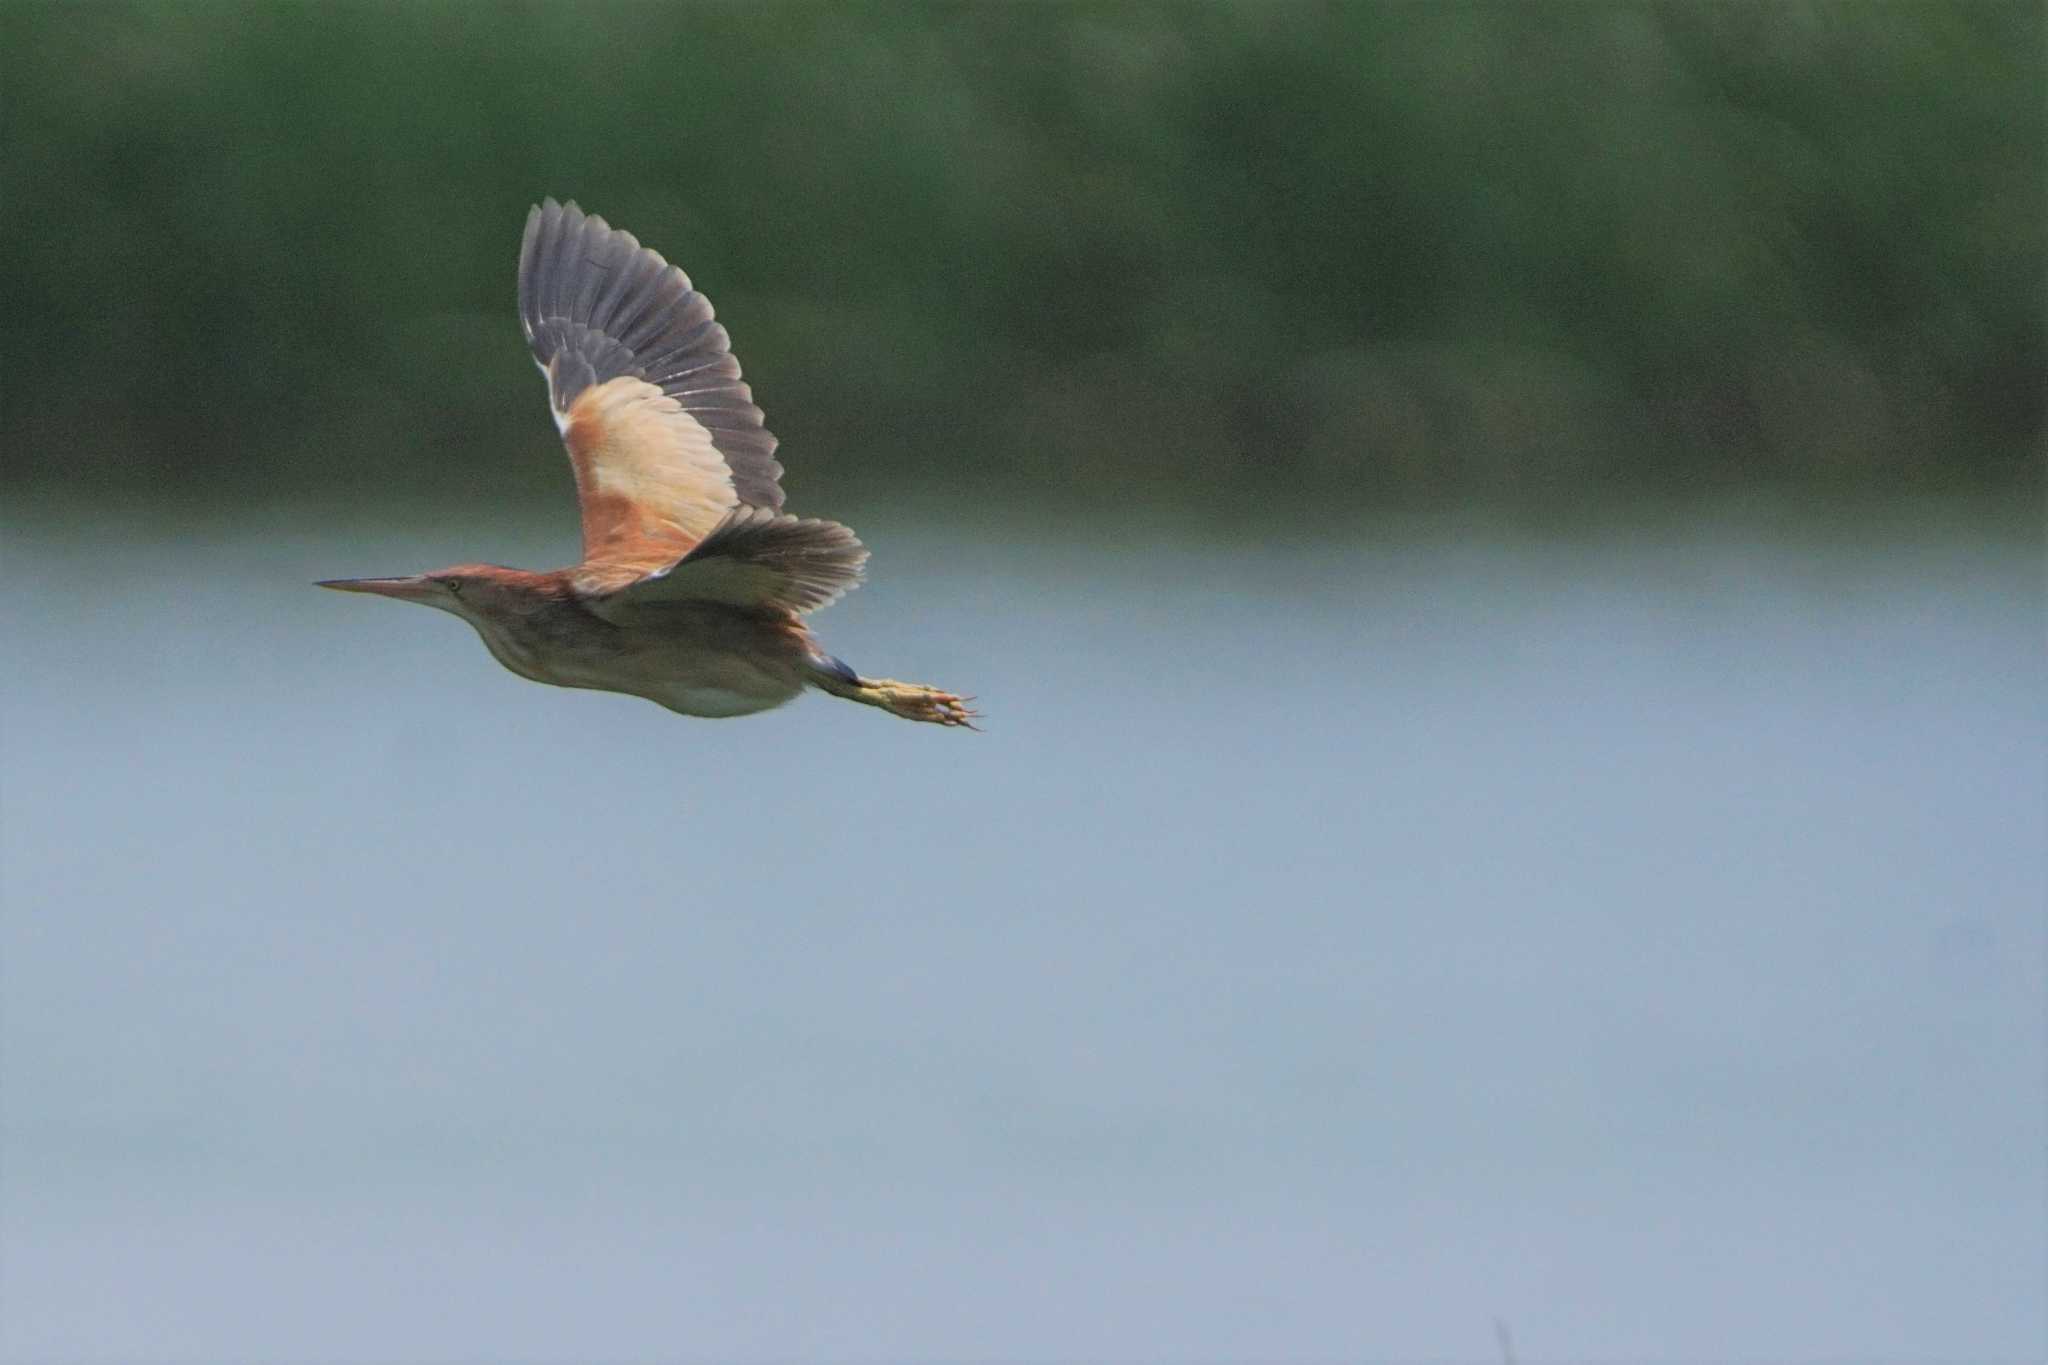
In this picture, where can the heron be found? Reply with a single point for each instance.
(694, 586)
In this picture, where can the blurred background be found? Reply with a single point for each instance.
(1500, 544)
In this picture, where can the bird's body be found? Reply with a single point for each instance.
(694, 583)
(696, 658)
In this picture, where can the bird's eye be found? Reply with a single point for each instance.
(454, 585)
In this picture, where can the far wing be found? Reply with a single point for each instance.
(757, 559)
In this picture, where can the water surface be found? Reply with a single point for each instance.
(1634, 937)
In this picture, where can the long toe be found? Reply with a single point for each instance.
(913, 701)
(947, 709)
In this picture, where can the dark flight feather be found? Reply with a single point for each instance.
(755, 558)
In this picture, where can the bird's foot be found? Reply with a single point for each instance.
(915, 701)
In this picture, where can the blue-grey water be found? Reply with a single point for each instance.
(1633, 936)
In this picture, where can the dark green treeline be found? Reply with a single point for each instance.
(1229, 253)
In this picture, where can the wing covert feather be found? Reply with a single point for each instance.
(651, 484)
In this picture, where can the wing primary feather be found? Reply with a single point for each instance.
(529, 244)
(629, 268)
(544, 221)
(724, 419)
(603, 256)
(684, 323)
(561, 263)
(568, 223)
(650, 313)
(577, 268)
(545, 246)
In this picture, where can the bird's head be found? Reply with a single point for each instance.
(467, 590)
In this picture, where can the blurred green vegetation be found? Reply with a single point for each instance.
(1242, 254)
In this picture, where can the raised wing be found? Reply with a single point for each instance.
(663, 434)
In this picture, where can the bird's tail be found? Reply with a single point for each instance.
(912, 701)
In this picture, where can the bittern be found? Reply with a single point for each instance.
(694, 583)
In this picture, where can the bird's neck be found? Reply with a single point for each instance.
(524, 624)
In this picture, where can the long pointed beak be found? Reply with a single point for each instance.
(418, 588)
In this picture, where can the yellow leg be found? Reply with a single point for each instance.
(912, 701)
(915, 701)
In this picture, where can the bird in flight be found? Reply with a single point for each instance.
(694, 583)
